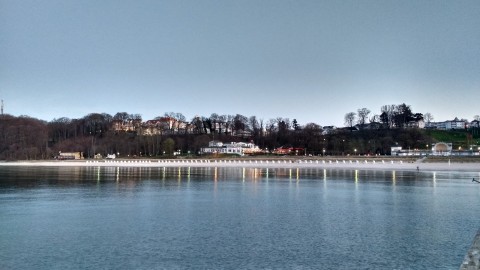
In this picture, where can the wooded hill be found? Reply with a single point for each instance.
(26, 138)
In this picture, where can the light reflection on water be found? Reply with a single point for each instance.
(234, 218)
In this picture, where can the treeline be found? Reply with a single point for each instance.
(391, 116)
(26, 138)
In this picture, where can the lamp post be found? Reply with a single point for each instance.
(355, 150)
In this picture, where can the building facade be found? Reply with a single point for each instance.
(233, 148)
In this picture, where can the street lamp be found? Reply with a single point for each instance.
(355, 150)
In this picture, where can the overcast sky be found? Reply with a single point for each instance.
(313, 61)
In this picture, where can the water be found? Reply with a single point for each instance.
(234, 218)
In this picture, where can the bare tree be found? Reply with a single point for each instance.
(350, 119)
(387, 115)
(375, 118)
(124, 116)
(363, 115)
(271, 125)
(240, 122)
(428, 117)
(215, 118)
(253, 124)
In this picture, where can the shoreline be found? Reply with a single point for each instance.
(354, 164)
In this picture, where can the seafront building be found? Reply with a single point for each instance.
(438, 149)
(233, 148)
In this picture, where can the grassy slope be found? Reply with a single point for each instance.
(457, 137)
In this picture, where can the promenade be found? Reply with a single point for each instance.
(330, 163)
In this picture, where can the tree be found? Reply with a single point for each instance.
(122, 116)
(168, 146)
(363, 115)
(387, 115)
(240, 122)
(418, 117)
(350, 119)
(476, 117)
(229, 124)
(428, 117)
(271, 125)
(295, 125)
(23, 137)
(97, 123)
(311, 138)
(58, 128)
(254, 126)
(403, 114)
(215, 118)
(180, 118)
(374, 119)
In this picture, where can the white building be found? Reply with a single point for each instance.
(234, 148)
(456, 124)
(450, 124)
(416, 124)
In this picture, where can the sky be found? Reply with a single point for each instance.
(313, 61)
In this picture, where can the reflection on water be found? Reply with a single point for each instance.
(33, 177)
(64, 176)
(234, 218)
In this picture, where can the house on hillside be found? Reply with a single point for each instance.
(416, 124)
(448, 125)
(165, 125)
(126, 125)
(328, 130)
(456, 124)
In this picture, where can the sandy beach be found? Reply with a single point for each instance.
(356, 164)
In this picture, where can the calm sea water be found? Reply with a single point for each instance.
(235, 218)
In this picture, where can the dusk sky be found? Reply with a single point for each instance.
(313, 61)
